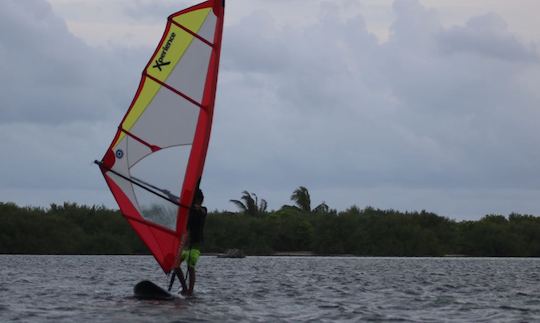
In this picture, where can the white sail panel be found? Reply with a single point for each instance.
(169, 120)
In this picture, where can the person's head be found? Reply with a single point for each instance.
(198, 198)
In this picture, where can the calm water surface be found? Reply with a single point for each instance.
(100, 288)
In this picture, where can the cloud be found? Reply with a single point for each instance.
(487, 36)
(51, 76)
(441, 118)
(60, 102)
(42, 65)
(49, 156)
(432, 108)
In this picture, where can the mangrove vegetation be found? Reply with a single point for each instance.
(79, 229)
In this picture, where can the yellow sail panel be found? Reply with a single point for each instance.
(143, 100)
(193, 20)
(175, 44)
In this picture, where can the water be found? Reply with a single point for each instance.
(100, 288)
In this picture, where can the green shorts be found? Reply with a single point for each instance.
(193, 255)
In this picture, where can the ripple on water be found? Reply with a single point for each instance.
(257, 289)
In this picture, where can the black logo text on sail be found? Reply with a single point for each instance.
(160, 62)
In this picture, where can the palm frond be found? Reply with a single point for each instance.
(263, 206)
(241, 206)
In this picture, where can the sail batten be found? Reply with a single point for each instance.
(152, 147)
(156, 159)
(176, 91)
(194, 34)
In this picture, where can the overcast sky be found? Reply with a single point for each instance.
(405, 104)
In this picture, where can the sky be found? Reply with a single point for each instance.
(406, 104)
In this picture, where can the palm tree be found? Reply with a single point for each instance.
(321, 208)
(300, 196)
(250, 204)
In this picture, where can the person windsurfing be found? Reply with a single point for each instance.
(191, 254)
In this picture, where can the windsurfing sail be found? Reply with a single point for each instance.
(156, 159)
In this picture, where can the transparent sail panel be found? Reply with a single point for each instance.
(162, 172)
(156, 209)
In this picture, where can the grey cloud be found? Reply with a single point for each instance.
(61, 100)
(336, 109)
(414, 24)
(150, 11)
(268, 48)
(49, 75)
(488, 37)
(52, 157)
(400, 124)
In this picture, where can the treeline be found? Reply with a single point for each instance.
(373, 232)
(74, 229)
(66, 229)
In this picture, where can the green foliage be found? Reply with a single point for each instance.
(495, 235)
(66, 229)
(75, 229)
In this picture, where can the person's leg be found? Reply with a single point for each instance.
(193, 259)
(180, 274)
(191, 271)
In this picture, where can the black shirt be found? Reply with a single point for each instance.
(195, 226)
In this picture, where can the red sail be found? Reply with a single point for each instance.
(156, 159)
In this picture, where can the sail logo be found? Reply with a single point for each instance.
(160, 62)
